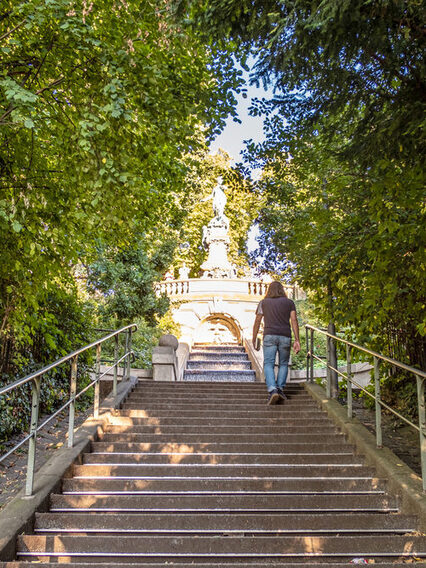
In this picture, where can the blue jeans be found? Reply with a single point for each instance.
(272, 344)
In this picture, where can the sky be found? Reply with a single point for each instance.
(232, 137)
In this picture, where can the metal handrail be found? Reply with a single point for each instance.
(379, 404)
(36, 377)
(64, 359)
(370, 352)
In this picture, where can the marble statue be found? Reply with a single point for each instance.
(216, 238)
(219, 199)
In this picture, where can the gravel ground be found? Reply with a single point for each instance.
(397, 435)
(13, 469)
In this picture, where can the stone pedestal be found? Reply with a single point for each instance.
(216, 240)
(164, 359)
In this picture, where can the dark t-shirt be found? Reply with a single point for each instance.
(276, 314)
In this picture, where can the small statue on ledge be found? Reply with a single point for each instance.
(184, 272)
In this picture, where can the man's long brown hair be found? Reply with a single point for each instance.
(275, 290)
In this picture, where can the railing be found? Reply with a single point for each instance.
(332, 340)
(227, 285)
(172, 287)
(36, 379)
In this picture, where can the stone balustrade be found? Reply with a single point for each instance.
(212, 286)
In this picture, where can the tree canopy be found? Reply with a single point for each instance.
(98, 104)
(343, 158)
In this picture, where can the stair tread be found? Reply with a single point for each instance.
(224, 503)
(201, 564)
(181, 546)
(307, 523)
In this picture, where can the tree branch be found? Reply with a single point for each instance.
(13, 30)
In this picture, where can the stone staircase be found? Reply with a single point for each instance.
(219, 363)
(206, 475)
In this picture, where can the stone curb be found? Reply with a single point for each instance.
(18, 515)
(402, 480)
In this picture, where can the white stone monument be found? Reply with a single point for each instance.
(216, 238)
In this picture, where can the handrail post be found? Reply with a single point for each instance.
(349, 383)
(379, 439)
(328, 386)
(129, 349)
(422, 425)
(312, 356)
(73, 392)
(97, 384)
(308, 355)
(35, 407)
(123, 373)
(332, 357)
(114, 380)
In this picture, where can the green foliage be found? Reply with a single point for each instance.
(357, 63)
(355, 243)
(123, 280)
(98, 104)
(59, 326)
(306, 314)
(147, 337)
(343, 158)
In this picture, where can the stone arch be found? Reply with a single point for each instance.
(219, 328)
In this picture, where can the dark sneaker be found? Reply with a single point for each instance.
(282, 396)
(274, 397)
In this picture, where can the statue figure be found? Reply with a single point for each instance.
(184, 272)
(219, 199)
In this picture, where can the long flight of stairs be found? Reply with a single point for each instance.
(205, 474)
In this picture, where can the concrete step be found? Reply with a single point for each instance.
(213, 375)
(228, 420)
(275, 412)
(230, 358)
(269, 471)
(175, 524)
(266, 487)
(207, 404)
(183, 428)
(211, 458)
(188, 439)
(145, 385)
(240, 396)
(182, 403)
(115, 548)
(215, 447)
(222, 365)
(213, 356)
(224, 503)
(219, 348)
(252, 563)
